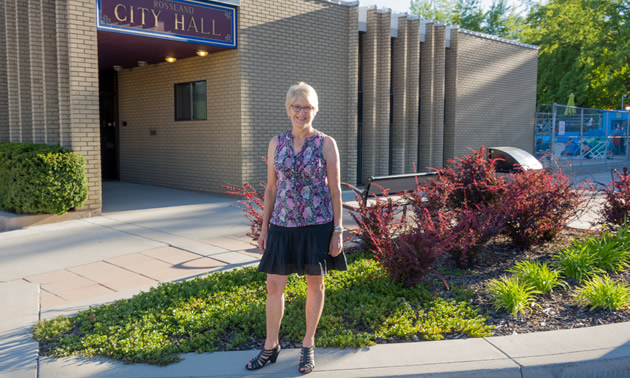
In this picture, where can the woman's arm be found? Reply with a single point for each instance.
(270, 194)
(331, 155)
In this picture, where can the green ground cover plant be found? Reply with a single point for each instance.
(226, 311)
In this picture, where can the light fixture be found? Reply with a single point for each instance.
(170, 59)
(117, 68)
(142, 63)
(202, 53)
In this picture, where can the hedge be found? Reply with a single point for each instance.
(41, 179)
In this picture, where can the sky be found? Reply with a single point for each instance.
(401, 6)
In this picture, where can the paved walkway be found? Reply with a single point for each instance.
(148, 235)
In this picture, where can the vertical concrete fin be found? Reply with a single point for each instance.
(427, 74)
(349, 169)
(4, 90)
(439, 65)
(413, 95)
(400, 70)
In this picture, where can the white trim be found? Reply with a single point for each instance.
(498, 39)
(423, 29)
(350, 3)
(447, 35)
(230, 2)
(363, 11)
(394, 26)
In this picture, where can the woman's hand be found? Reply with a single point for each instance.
(336, 244)
(262, 241)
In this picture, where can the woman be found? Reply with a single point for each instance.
(301, 230)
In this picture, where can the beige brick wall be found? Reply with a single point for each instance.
(413, 96)
(495, 100)
(376, 91)
(4, 94)
(49, 90)
(194, 155)
(282, 42)
(400, 72)
(427, 100)
(432, 77)
(84, 94)
(406, 87)
(350, 153)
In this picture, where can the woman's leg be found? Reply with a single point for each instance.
(275, 307)
(314, 307)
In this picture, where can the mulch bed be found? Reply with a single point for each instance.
(552, 311)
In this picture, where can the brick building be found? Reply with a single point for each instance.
(395, 91)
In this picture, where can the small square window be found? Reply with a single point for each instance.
(190, 101)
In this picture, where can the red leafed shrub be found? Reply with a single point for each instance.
(377, 221)
(252, 205)
(474, 227)
(473, 180)
(469, 228)
(412, 255)
(538, 204)
(616, 210)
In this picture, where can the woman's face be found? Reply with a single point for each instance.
(299, 112)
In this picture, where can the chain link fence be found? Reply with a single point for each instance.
(574, 133)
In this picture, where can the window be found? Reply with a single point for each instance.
(190, 101)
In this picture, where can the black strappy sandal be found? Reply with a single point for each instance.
(265, 355)
(307, 360)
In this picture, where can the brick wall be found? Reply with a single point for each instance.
(282, 42)
(4, 89)
(495, 94)
(49, 81)
(406, 87)
(84, 94)
(193, 155)
(400, 73)
(376, 91)
(413, 96)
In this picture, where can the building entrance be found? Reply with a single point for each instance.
(108, 107)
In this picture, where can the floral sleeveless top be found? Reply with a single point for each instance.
(302, 195)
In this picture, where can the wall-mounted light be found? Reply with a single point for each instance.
(117, 68)
(142, 63)
(202, 53)
(170, 59)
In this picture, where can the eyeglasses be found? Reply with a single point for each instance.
(298, 108)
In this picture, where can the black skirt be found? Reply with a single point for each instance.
(301, 250)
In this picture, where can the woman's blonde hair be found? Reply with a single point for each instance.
(304, 90)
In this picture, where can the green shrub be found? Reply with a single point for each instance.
(611, 251)
(511, 294)
(601, 292)
(39, 179)
(577, 262)
(538, 275)
(608, 252)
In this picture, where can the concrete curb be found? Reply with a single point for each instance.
(601, 351)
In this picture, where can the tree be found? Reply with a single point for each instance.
(499, 20)
(468, 15)
(584, 49)
(436, 10)
(496, 18)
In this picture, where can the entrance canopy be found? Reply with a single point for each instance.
(132, 31)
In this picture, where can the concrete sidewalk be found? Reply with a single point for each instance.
(148, 235)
